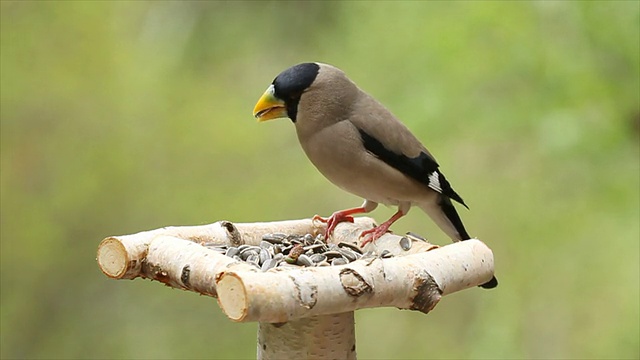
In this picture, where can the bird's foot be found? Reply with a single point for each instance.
(333, 221)
(373, 234)
(376, 232)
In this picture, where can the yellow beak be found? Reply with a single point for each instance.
(269, 106)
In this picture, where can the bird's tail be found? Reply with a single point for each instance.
(446, 217)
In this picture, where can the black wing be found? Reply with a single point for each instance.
(422, 168)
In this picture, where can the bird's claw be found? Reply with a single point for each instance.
(319, 218)
(373, 234)
(333, 221)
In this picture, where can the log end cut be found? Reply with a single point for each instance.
(112, 258)
(232, 296)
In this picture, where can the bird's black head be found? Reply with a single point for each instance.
(291, 83)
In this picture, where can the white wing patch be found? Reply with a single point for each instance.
(434, 181)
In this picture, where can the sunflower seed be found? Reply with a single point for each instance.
(405, 243)
(280, 250)
(339, 261)
(315, 248)
(353, 247)
(308, 238)
(243, 246)
(348, 254)
(246, 253)
(274, 238)
(264, 255)
(277, 249)
(269, 264)
(253, 258)
(216, 247)
(232, 251)
(318, 258)
(304, 260)
(332, 254)
(415, 236)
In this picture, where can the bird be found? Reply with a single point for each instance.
(361, 147)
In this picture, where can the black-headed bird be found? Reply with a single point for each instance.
(361, 147)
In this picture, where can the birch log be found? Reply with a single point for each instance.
(416, 282)
(186, 265)
(415, 278)
(121, 257)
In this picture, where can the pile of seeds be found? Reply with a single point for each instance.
(281, 250)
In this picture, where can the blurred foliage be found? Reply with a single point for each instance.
(123, 116)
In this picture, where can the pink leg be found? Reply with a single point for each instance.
(375, 233)
(338, 217)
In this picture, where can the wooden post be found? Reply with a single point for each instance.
(318, 337)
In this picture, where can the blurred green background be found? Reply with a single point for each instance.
(122, 116)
